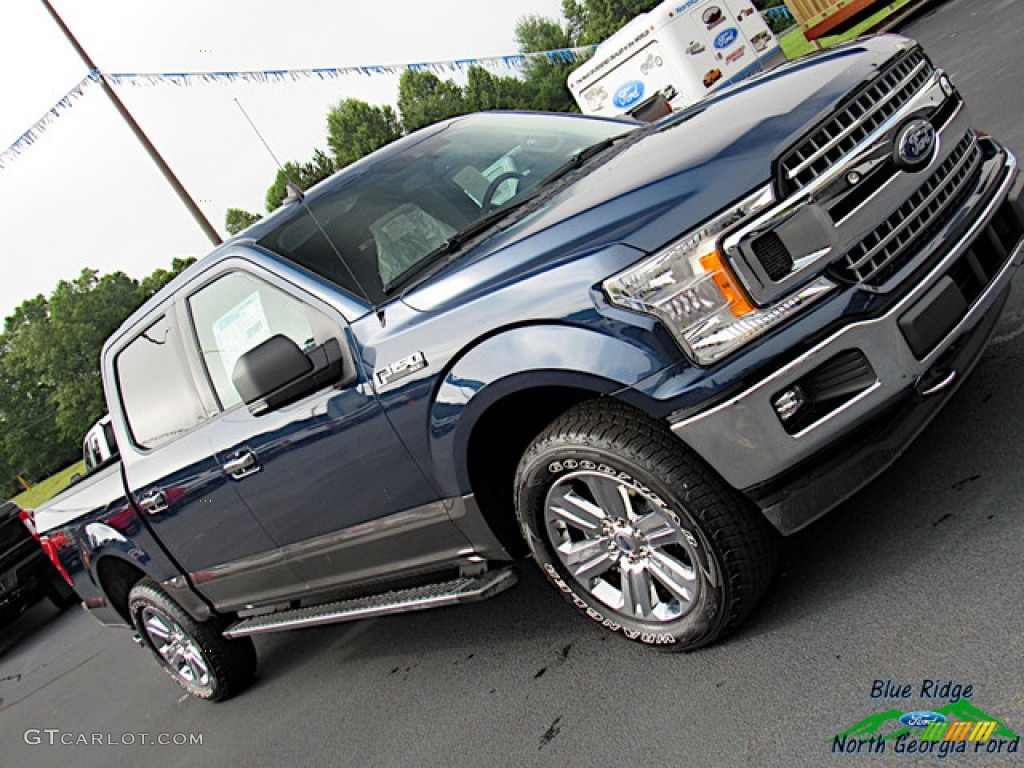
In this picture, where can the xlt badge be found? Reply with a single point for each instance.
(401, 368)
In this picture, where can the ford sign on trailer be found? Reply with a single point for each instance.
(680, 52)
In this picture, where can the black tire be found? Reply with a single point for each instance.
(8, 614)
(195, 654)
(59, 593)
(644, 523)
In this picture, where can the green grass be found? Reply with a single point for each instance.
(795, 45)
(49, 487)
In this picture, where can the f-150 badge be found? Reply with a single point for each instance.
(401, 368)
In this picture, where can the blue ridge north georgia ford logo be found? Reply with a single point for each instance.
(915, 145)
(628, 94)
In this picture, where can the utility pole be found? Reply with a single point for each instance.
(165, 169)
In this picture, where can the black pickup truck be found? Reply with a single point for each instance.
(638, 353)
(26, 574)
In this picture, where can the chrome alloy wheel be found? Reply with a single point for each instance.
(177, 649)
(623, 546)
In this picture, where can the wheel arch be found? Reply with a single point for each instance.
(115, 572)
(502, 393)
(116, 577)
(498, 440)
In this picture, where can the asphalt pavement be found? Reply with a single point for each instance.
(916, 581)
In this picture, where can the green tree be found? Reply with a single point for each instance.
(30, 442)
(83, 313)
(50, 385)
(425, 99)
(236, 219)
(160, 277)
(591, 22)
(355, 129)
(545, 79)
(303, 175)
(485, 91)
(278, 191)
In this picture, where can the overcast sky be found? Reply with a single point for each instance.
(86, 195)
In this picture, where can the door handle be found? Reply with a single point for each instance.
(154, 503)
(242, 464)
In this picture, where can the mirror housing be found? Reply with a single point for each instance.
(277, 372)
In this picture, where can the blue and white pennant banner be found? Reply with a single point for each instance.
(37, 129)
(511, 62)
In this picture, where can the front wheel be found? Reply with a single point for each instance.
(195, 654)
(638, 533)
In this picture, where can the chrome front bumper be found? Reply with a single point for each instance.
(744, 439)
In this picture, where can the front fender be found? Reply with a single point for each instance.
(519, 359)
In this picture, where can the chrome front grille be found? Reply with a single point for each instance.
(878, 254)
(870, 107)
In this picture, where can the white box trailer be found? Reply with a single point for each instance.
(681, 50)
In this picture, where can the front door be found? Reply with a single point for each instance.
(326, 476)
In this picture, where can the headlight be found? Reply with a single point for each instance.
(691, 289)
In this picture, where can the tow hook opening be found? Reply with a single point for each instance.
(936, 380)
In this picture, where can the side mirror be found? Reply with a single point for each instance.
(277, 372)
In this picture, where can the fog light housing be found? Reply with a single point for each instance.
(789, 403)
(948, 89)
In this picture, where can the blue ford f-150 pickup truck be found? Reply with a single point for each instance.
(637, 353)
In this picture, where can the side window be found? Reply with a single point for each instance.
(92, 453)
(237, 312)
(158, 394)
(108, 435)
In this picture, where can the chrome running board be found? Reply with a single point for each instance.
(461, 590)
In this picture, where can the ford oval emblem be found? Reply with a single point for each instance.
(629, 94)
(922, 718)
(916, 143)
(726, 38)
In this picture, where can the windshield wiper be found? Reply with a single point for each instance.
(579, 158)
(457, 240)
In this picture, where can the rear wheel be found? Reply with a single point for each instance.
(195, 654)
(60, 593)
(637, 532)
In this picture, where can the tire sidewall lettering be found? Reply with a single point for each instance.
(558, 468)
(650, 638)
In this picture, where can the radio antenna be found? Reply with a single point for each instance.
(258, 134)
(295, 194)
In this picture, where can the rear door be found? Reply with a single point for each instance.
(177, 482)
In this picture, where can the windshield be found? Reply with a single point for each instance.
(368, 234)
